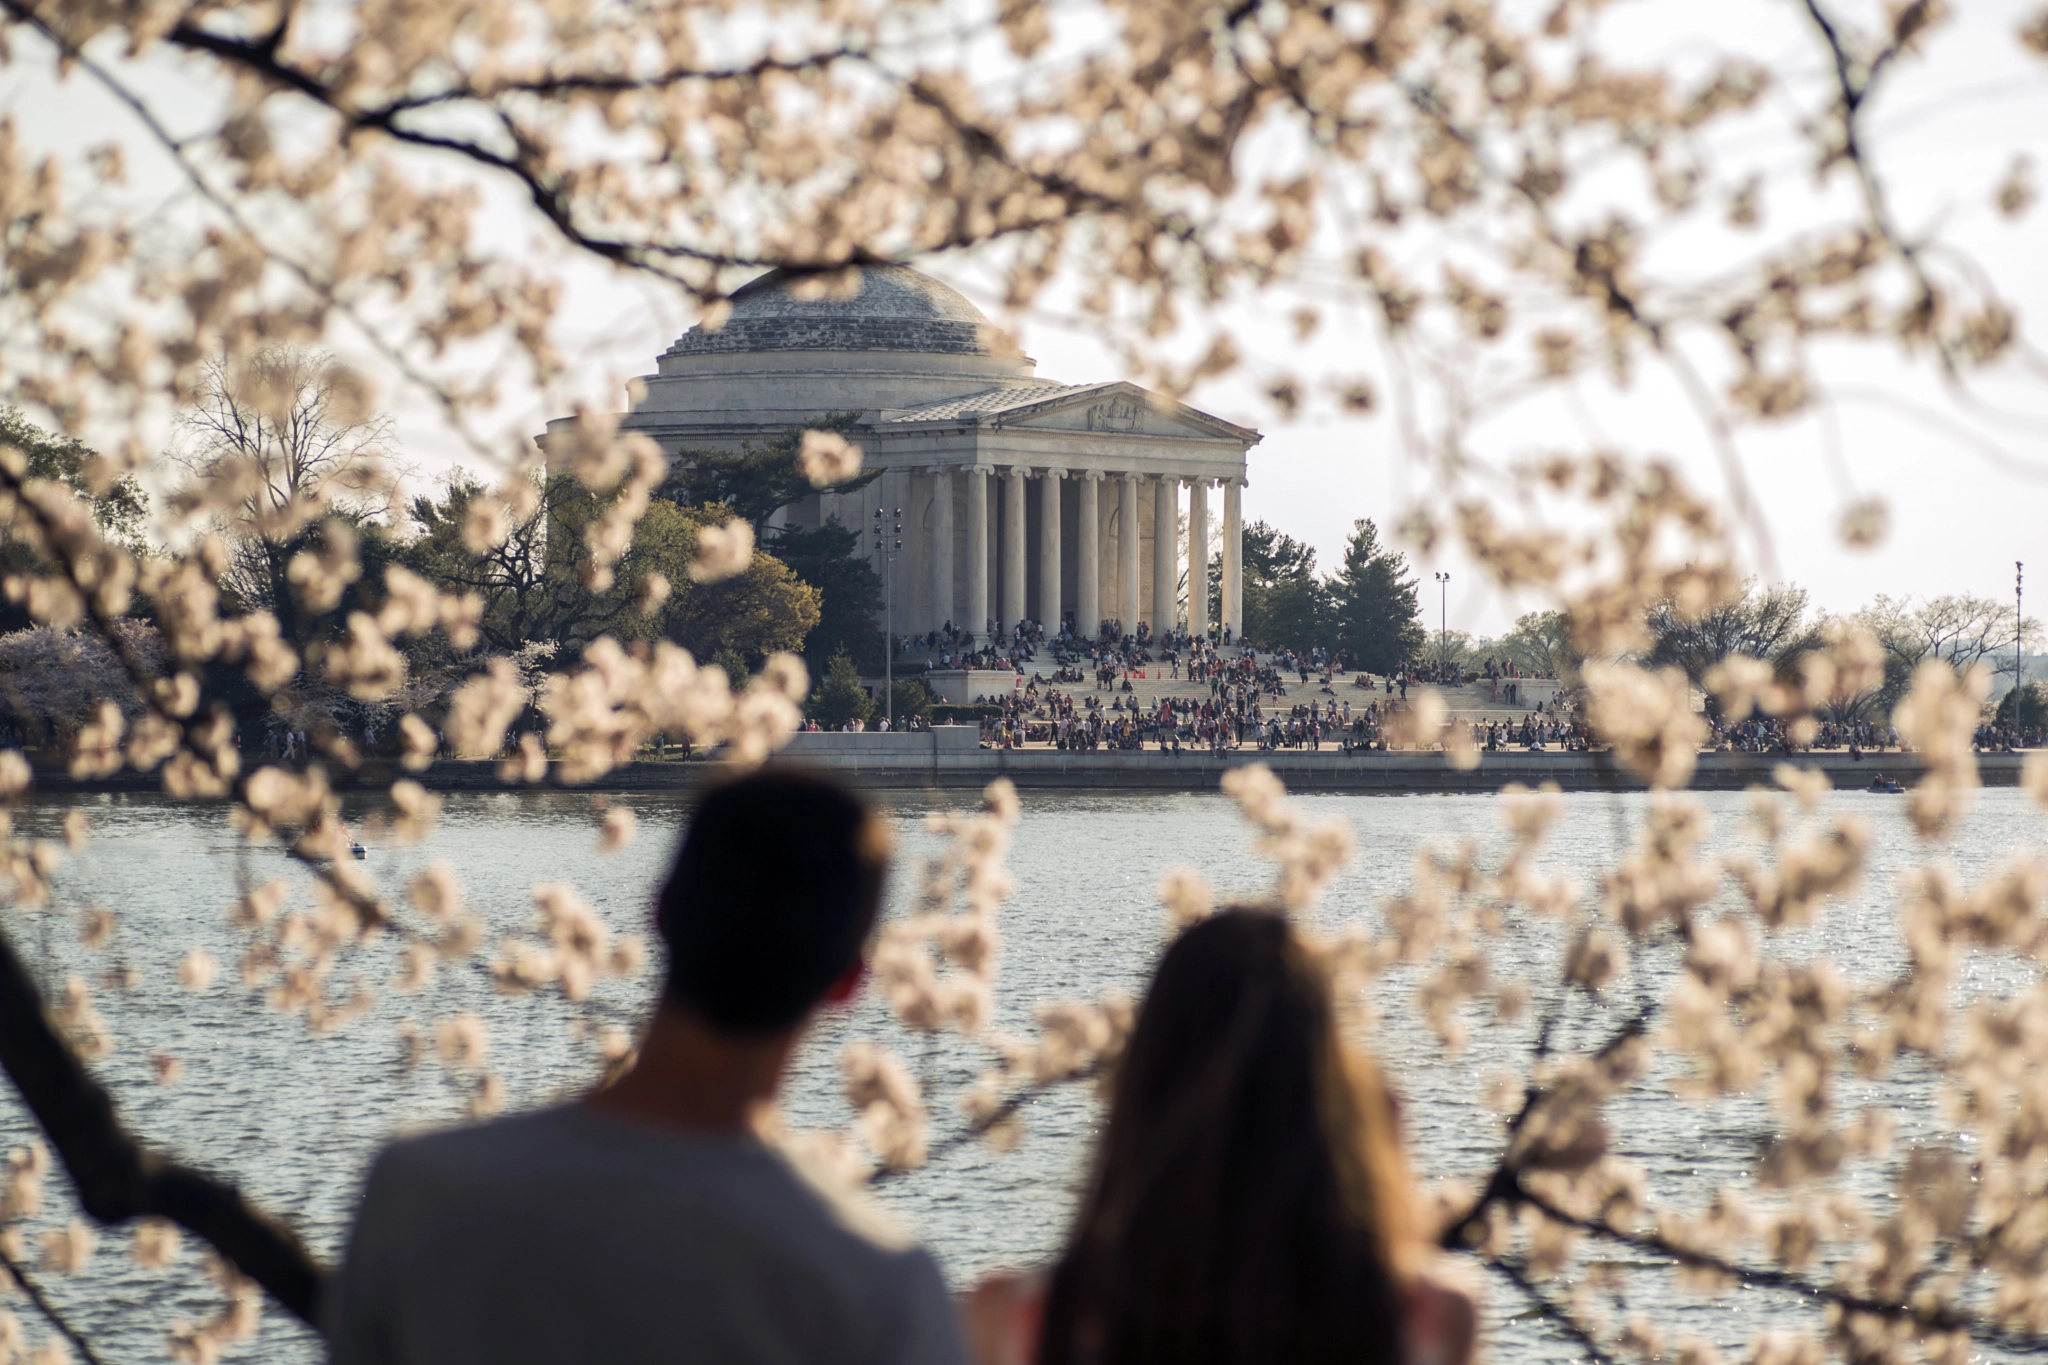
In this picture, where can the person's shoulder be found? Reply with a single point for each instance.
(537, 1138)
(1441, 1323)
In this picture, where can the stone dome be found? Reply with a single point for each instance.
(892, 308)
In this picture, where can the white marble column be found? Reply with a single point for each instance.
(1105, 552)
(1013, 548)
(942, 547)
(1049, 552)
(1127, 552)
(1233, 558)
(977, 552)
(1198, 558)
(1088, 556)
(1165, 551)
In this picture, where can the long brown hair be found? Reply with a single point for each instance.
(1248, 1202)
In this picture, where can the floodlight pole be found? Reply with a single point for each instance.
(1443, 632)
(2019, 648)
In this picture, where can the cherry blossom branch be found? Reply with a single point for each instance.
(41, 1301)
(1938, 1319)
(1854, 90)
(141, 680)
(116, 1177)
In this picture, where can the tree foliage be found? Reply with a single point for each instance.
(119, 505)
(1763, 622)
(840, 696)
(761, 478)
(829, 558)
(536, 583)
(1540, 643)
(1376, 616)
(1286, 603)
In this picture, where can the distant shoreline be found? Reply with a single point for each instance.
(1328, 770)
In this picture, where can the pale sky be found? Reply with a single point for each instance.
(1968, 491)
(1966, 477)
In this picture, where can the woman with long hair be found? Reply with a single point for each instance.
(1249, 1202)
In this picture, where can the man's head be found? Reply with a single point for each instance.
(774, 891)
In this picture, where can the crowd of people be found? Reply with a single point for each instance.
(1769, 734)
(1246, 706)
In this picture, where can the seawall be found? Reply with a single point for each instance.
(950, 759)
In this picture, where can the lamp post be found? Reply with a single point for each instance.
(888, 540)
(2019, 648)
(1443, 634)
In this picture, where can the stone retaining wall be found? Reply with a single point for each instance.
(948, 758)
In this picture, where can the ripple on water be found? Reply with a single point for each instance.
(293, 1118)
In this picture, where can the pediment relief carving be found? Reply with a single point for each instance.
(1117, 414)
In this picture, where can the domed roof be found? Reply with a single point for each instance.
(885, 308)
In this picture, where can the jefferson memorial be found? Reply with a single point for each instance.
(1021, 498)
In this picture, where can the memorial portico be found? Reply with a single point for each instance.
(1023, 499)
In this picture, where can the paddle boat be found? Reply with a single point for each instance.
(1883, 785)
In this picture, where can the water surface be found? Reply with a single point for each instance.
(293, 1117)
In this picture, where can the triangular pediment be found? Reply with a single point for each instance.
(1119, 409)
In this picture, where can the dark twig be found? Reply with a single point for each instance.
(116, 1177)
(980, 1128)
(46, 1308)
(1552, 1311)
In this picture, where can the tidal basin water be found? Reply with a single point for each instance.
(293, 1117)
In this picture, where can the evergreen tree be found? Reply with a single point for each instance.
(840, 697)
(850, 592)
(2032, 700)
(761, 479)
(1377, 619)
(913, 699)
(1286, 604)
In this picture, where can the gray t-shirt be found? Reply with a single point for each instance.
(570, 1236)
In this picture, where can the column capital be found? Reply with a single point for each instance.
(940, 468)
(1054, 472)
(1092, 475)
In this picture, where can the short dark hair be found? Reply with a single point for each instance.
(774, 891)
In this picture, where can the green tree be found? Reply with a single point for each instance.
(913, 699)
(2032, 701)
(761, 478)
(119, 505)
(850, 594)
(840, 697)
(531, 581)
(751, 615)
(1767, 623)
(1286, 603)
(1541, 643)
(1374, 603)
(535, 584)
